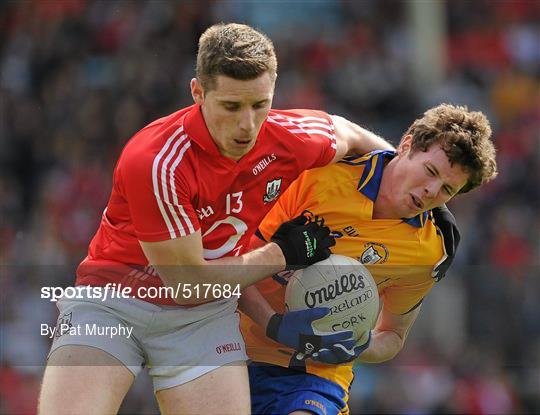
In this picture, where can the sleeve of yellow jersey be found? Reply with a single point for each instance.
(408, 292)
(289, 205)
(400, 299)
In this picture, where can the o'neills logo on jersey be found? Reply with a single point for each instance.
(261, 165)
(375, 253)
(273, 189)
(229, 347)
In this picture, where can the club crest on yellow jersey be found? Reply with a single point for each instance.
(375, 253)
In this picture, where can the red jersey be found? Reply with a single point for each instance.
(171, 180)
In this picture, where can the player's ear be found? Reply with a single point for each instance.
(197, 91)
(405, 145)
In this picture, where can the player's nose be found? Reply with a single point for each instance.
(431, 189)
(247, 120)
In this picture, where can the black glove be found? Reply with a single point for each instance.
(303, 241)
(446, 225)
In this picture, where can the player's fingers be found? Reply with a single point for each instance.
(342, 340)
(316, 313)
(299, 220)
(307, 214)
(314, 229)
(331, 241)
(344, 354)
(334, 355)
(326, 244)
(345, 336)
(325, 238)
(318, 220)
(323, 232)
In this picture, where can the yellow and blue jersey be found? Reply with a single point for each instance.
(400, 253)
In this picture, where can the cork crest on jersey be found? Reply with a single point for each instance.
(273, 190)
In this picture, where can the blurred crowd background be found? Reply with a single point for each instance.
(78, 78)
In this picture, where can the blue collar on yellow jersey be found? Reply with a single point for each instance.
(370, 181)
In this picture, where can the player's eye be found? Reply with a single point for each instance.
(430, 171)
(448, 191)
(231, 107)
(259, 105)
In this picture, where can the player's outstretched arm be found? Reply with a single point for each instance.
(388, 336)
(180, 261)
(353, 139)
(254, 305)
(385, 341)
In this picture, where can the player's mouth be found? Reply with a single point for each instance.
(416, 202)
(243, 143)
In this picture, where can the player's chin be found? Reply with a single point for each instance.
(243, 147)
(238, 153)
(410, 214)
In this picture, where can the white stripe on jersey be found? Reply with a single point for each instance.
(308, 127)
(163, 179)
(299, 119)
(166, 189)
(292, 124)
(173, 187)
(302, 122)
(311, 131)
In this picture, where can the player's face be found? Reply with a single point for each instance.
(423, 180)
(234, 111)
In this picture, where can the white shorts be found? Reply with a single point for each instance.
(178, 344)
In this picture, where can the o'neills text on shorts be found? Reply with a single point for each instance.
(229, 347)
(87, 329)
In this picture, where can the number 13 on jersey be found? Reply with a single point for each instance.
(234, 203)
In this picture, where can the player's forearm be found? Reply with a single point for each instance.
(385, 345)
(237, 272)
(251, 267)
(368, 141)
(353, 139)
(255, 306)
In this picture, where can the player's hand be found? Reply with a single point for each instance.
(303, 241)
(295, 329)
(342, 352)
(446, 224)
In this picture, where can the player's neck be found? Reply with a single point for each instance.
(382, 207)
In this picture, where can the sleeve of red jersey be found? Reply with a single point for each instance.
(157, 192)
(316, 133)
